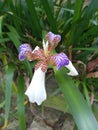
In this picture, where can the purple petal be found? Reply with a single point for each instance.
(25, 47)
(23, 51)
(21, 56)
(61, 60)
(53, 38)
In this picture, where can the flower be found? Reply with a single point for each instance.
(36, 91)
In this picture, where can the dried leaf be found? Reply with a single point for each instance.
(92, 75)
(92, 65)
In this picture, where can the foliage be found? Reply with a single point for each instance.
(77, 22)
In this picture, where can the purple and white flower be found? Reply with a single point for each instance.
(36, 91)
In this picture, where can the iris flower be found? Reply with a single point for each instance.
(36, 91)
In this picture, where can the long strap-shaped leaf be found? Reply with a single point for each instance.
(8, 84)
(77, 15)
(13, 35)
(80, 110)
(34, 17)
(84, 21)
(50, 16)
(21, 108)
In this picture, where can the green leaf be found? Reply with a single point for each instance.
(89, 35)
(79, 108)
(50, 17)
(20, 102)
(34, 17)
(2, 104)
(1, 20)
(83, 24)
(75, 19)
(4, 40)
(77, 10)
(13, 35)
(8, 83)
(95, 109)
(91, 9)
(56, 102)
(87, 49)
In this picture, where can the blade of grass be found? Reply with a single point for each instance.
(1, 20)
(91, 9)
(20, 102)
(76, 16)
(4, 40)
(79, 108)
(85, 19)
(34, 18)
(50, 17)
(86, 93)
(13, 35)
(67, 16)
(8, 82)
(90, 35)
(87, 49)
(77, 10)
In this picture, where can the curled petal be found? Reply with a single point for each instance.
(53, 38)
(73, 71)
(24, 50)
(61, 60)
(36, 91)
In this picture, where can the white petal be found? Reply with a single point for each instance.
(45, 46)
(36, 48)
(36, 91)
(73, 71)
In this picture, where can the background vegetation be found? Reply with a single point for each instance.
(23, 21)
